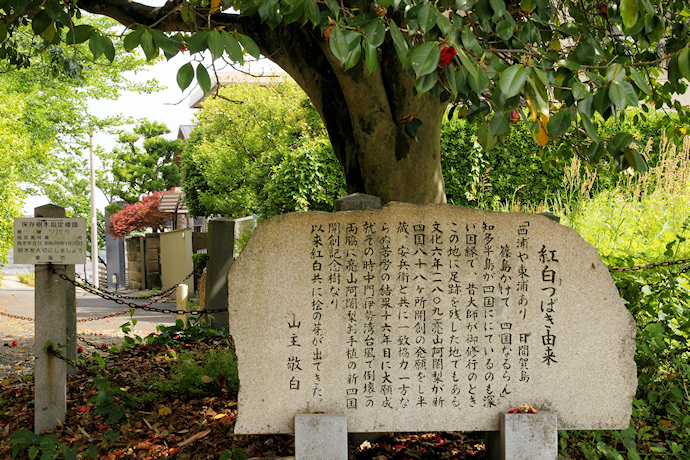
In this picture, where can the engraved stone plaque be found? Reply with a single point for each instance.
(435, 317)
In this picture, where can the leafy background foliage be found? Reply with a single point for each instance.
(260, 150)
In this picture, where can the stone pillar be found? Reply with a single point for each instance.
(320, 436)
(221, 247)
(357, 202)
(56, 314)
(524, 436)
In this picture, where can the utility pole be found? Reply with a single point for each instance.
(94, 216)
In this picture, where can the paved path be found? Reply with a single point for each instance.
(18, 299)
(17, 335)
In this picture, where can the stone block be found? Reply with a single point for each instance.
(320, 437)
(524, 437)
(357, 202)
(221, 245)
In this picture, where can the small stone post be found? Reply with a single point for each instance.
(182, 300)
(221, 247)
(56, 315)
(524, 436)
(320, 436)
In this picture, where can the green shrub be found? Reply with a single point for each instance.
(643, 220)
(197, 372)
(514, 171)
(200, 260)
(307, 178)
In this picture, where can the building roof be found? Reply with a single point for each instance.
(184, 131)
(171, 201)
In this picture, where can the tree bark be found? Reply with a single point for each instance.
(364, 113)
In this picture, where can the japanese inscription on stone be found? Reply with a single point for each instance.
(49, 240)
(433, 317)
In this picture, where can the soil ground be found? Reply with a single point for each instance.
(164, 423)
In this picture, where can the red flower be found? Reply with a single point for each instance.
(515, 116)
(447, 55)
(80, 350)
(14, 343)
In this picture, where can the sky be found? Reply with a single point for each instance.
(169, 106)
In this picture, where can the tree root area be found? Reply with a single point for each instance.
(179, 424)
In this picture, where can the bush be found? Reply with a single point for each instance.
(196, 372)
(515, 170)
(308, 178)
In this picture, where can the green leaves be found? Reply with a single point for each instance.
(101, 45)
(215, 43)
(512, 80)
(79, 34)
(560, 123)
(133, 39)
(147, 45)
(412, 127)
(622, 94)
(424, 58)
(203, 78)
(684, 62)
(399, 42)
(185, 76)
(345, 45)
(629, 12)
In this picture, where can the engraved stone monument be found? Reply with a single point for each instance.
(436, 317)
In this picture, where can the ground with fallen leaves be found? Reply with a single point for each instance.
(179, 424)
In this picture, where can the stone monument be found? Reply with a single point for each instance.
(427, 318)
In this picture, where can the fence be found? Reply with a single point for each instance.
(121, 299)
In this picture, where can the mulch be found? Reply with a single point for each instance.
(183, 425)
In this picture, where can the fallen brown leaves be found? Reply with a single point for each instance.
(184, 425)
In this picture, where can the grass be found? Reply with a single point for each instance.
(641, 215)
(27, 278)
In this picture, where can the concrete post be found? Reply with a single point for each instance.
(115, 256)
(56, 313)
(320, 436)
(221, 247)
(524, 436)
(182, 297)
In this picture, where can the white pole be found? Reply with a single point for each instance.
(94, 216)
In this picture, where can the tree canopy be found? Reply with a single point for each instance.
(259, 150)
(45, 122)
(144, 162)
(138, 216)
(381, 74)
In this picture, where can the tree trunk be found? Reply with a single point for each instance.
(365, 115)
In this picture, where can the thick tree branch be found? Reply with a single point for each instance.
(166, 18)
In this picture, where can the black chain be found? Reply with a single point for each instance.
(145, 306)
(133, 297)
(95, 345)
(58, 354)
(648, 266)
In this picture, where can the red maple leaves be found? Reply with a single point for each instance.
(138, 216)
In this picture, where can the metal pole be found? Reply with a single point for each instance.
(94, 216)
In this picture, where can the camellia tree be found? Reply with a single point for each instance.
(382, 74)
